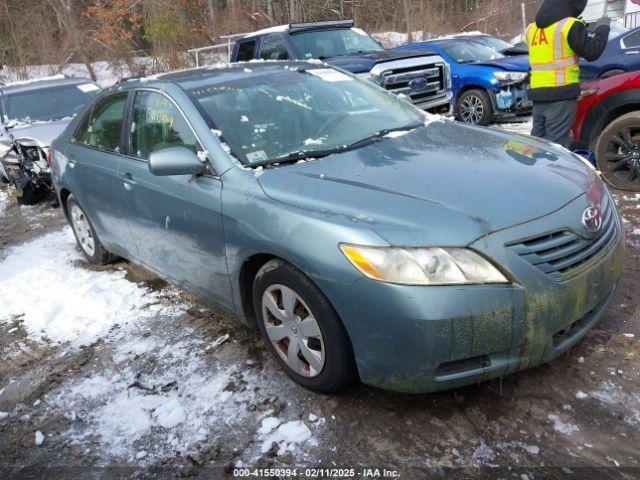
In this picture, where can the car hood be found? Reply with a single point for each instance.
(45, 133)
(516, 50)
(366, 61)
(425, 189)
(518, 63)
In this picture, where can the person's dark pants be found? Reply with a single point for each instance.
(553, 120)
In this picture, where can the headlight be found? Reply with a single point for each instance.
(423, 266)
(510, 77)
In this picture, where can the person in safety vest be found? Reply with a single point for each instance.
(556, 42)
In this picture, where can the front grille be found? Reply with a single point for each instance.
(561, 253)
(432, 81)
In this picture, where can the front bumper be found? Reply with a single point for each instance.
(511, 99)
(440, 104)
(425, 339)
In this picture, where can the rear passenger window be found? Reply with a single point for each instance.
(157, 124)
(633, 40)
(272, 48)
(245, 51)
(102, 128)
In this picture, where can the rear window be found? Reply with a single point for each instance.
(246, 50)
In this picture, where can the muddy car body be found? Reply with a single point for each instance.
(399, 255)
(33, 114)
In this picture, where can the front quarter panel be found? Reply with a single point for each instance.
(255, 224)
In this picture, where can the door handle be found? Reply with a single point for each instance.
(128, 181)
(632, 52)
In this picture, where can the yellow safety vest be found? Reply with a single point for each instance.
(553, 61)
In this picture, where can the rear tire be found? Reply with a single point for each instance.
(291, 311)
(475, 108)
(86, 235)
(618, 152)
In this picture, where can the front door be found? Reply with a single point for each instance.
(175, 220)
(93, 156)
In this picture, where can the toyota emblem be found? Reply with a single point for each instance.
(592, 220)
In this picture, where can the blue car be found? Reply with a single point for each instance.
(361, 237)
(621, 55)
(486, 84)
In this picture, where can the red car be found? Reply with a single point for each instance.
(608, 123)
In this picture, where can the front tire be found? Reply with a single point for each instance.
(86, 235)
(618, 152)
(475, 108)
(302, 329)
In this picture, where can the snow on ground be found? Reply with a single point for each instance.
(65, 302)
(522, 127)
(155, 387)
(4, 200)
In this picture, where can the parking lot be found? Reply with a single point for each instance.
(111, 367)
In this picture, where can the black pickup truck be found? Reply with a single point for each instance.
(421, 75)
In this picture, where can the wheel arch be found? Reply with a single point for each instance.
(471, 86)
(64, 194)
(607, 111)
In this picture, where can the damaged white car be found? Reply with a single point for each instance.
(33, 114)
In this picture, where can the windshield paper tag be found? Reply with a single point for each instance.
(88, 87)
(330, 75)
(257, 156)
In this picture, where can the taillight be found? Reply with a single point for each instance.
(50, 156)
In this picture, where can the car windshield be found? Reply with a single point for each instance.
(45, 104)
(468, 52)
(333, 43)
(301, 113)
(493, 42)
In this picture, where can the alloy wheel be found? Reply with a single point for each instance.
(83, 231)
(623, 156)
(293, 330)
(471, 109)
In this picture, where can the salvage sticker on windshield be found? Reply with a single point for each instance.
(88, 87)
(330, 75)
(258, 156)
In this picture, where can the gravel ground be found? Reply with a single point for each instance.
(109, 372)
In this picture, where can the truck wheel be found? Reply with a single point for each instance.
(86, 235)
(618, 152)
(302, 329)
(474, 107)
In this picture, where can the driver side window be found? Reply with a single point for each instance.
(156, 124)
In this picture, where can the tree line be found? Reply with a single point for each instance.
(58, 32)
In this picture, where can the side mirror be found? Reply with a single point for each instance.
(175, 161)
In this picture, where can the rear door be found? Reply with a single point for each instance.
(93, 156)
(175, 220)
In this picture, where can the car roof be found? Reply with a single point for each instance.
(206, 76)
(42, 83)
(303, 27)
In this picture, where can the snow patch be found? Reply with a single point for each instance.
(39, 438)
(562, 427)
(286, 435)
(67, 303)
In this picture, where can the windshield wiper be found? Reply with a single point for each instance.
(295, 157)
